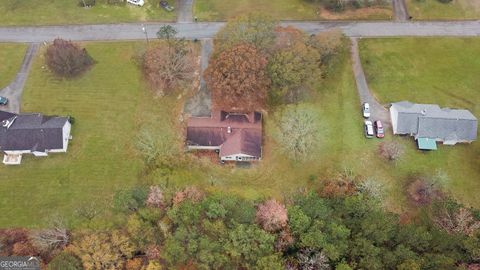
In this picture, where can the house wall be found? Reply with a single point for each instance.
(199, 147)
(65, 138)
(394, 118)
(239, 157)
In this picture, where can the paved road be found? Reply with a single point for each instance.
(400, 11)
(378, 112)
(209, 29)
(15, 89)
(200, 104)
(185, 13)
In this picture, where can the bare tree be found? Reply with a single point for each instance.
(55, 237)
(309, 259)
(460, 221)
(391, 150)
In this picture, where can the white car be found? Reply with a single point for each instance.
(139, 3)
(369, 129)
(366, 110)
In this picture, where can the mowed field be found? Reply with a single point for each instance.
(211, 10)
(56, 12)
(434, 10)
(443, 71)
(109, 103)
(11, 56)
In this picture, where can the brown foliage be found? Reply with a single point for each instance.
(337, 188)
(238, 79)
(153, 252)
(287, 36)
(165, 68)
(189, 193)
(67, 59)
(423, 192)
(390, 150)
(284, 240)
(272, 216)
(16, 242)
(134, 264)
(460, 221)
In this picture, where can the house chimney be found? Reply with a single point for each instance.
(229, 129)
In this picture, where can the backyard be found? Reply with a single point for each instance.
(11, 56)
(212, 10)
(434, 10)
(431, 70)
(32, 12)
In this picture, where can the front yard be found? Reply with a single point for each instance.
(434, 10)
(431, 70)
(109, 105)
(212, 10)
(56, 12)
(11, 56)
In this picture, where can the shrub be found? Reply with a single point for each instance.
(155, 197)
(391, 150)
(67, 59)
(130, 199)
(272, 216)
(65, 261)
(189, 193)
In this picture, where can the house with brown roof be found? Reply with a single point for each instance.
(235, 136)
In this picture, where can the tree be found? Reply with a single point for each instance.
(167, 68)
(130, 199)
(457, 220)
(67, 59)
(65, 261)
(56, 237)
(190, 193)
(155, 197)
(238, 79)
(391, 150)
(157, 144)
(298, 132)
(256, 29)
(293, 67)
(329, 45)
(309, 259)
(272, 216)
(168, 33)
(99, 251)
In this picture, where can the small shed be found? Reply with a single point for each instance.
(426, 144)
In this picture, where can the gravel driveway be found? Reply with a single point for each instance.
(185, 13)
(15, 89)
(378, 112)
(400, 11)
(200, 105)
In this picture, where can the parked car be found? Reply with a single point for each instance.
(379, 129)
(369, 129)
(165, 5)
(366, 110)
(139, 3)
(3, 101)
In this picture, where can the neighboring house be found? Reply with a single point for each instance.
(236, 137)
(32, 133)
(429, 122)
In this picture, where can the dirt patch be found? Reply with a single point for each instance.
(361, 13)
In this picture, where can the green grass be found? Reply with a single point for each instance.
(434, 10)
(54, 12)
(443, 71)
(11, 56)
(210, 10)
(109, 104)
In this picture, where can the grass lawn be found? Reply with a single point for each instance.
(431, 70)
(11, 56)
(434, 10)
(210, 10)
(109, 104)
(54, 12)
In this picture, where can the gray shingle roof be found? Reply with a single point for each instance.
(431, 121)
(34, 132)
